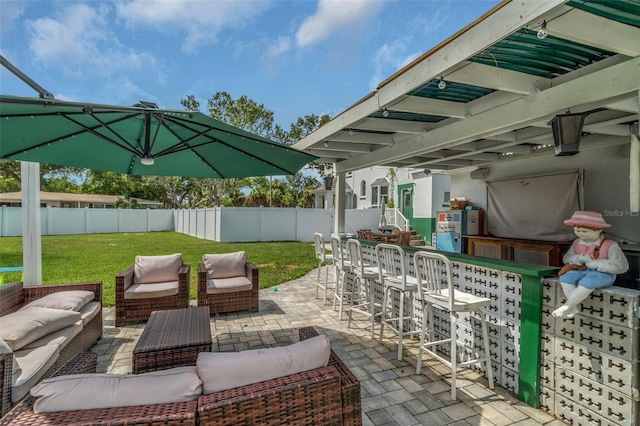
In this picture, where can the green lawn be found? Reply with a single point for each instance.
(100, 257)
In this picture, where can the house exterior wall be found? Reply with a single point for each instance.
(428, 192)
(606, 184)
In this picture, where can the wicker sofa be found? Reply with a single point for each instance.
(328, 396)
(45, 355)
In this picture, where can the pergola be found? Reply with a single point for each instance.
(487, 95)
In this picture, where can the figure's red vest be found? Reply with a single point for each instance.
(590, 249)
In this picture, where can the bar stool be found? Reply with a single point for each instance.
(325, 260)
(342, 265)
(362, 293)
(436, 290)
(392, 274)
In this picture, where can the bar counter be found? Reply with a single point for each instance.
(545, 373)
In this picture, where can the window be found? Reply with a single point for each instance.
(363, 189)
(374, 196)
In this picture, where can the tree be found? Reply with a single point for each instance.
(391, 174)
(51, 176)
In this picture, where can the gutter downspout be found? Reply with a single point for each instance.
(634, 170)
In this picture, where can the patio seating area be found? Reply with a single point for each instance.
(392, 393)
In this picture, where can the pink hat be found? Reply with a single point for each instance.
(588, 219)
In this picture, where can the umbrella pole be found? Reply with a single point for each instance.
(22, 76)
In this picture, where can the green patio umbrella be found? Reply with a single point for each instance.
(137, 140)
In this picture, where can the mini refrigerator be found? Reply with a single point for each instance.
(453, 225)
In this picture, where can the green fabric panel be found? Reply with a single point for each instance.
(530, 334)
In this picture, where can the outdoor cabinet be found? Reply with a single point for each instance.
(527, 251)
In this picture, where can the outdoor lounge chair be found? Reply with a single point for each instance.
(227, 283)
(154, 283)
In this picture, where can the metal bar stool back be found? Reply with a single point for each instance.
(362, 291)
(325, 260)
(392, 274)
(342, 266)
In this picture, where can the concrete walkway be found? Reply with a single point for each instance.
(392, 392)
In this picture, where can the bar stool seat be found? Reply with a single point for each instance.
(362, 294)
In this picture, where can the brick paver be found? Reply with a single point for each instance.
(392, 394)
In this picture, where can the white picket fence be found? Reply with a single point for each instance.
(223, 224)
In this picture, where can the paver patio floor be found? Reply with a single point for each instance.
(392, 392)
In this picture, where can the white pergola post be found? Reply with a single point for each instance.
(31, 234)
(340, 200)
(634, 172)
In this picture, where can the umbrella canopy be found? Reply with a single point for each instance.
(138, 140)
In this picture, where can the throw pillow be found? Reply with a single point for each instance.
(72, 300)
(228, 370)
(227, 265)
(87, 391)
(157, 269)
(29, 324)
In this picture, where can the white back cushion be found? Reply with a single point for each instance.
(26, 325)
(86, 391)
(228, 370)
(157, 269)
(225, 265)
(72, 300)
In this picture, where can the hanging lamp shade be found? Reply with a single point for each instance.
(328, 183)
(567, 130)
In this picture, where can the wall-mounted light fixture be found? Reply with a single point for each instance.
(350, 131)
(567, 131)
(479, 173)
(385, 113)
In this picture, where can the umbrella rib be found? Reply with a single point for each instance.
(79, 132)
(212, 139)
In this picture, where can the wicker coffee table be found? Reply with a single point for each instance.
(172, 338)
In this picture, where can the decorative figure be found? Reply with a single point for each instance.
(591, 262)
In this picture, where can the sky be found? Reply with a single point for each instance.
(296, 58)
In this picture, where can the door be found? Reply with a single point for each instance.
(406, 203)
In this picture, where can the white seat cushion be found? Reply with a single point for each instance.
(149, 291)
(228, 370)
(59, 338)
(227, 285)
(226, 265)
(33, 364)
(89, 311)
(87, 391)
(157, 269)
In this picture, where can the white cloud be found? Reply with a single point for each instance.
(10, 12)
(273, 53)
(202, 21)
(337, 16)
(80, 41)
(389, 58)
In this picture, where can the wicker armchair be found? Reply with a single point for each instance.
(136, 308)
(228, 299)
(178, 414)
